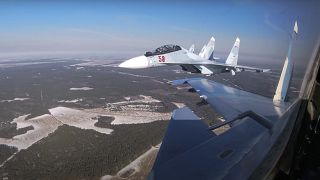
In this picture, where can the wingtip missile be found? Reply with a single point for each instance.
(295, 28)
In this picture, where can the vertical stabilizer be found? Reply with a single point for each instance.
(286, 73)
(208, 49)
(233, 56)
(191, 49)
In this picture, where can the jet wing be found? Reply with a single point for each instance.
(185, 131)
(248, 68)
(213, 66)
(230, 102)
(190, 150)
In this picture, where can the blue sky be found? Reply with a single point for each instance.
(137, 26)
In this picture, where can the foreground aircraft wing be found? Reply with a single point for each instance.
(230, 102)
(191, 151)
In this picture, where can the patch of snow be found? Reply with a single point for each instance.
(142, 99)
(177, 71)
(135, 75)
(135, 117)
(81, 89)
(106, 177)
(78, 118)
(71, 101)
(135, 111)
(179, 105)
(15, 99)
(182, 88)
(93, 63)
(78, 68)
(157, 81)
(43, 126)
(9, 65)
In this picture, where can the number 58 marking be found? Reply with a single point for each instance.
(162, 59)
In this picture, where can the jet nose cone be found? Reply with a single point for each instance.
(135, 63)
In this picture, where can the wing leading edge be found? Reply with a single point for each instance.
(230, 102)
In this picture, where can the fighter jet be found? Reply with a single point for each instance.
(203, 63)
(264, 136)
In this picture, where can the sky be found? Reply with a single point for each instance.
(134, 27)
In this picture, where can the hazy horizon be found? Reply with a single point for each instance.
(125, 28)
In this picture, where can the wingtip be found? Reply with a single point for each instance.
(266, 70)
(295, 28)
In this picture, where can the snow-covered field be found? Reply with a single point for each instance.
(8, 65)
(15, 99)
(71, 101)
(139, 117)
(95, 62)
(137, 111)
(133, 110)
(134, 75)
(81, 89)
(78, 68)
(179, 105)
(43, 126)
(140, 99)
(140, 110)
(78, 118)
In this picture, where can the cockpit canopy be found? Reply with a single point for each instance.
(163, 50)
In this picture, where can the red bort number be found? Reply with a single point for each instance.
(162, 59)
